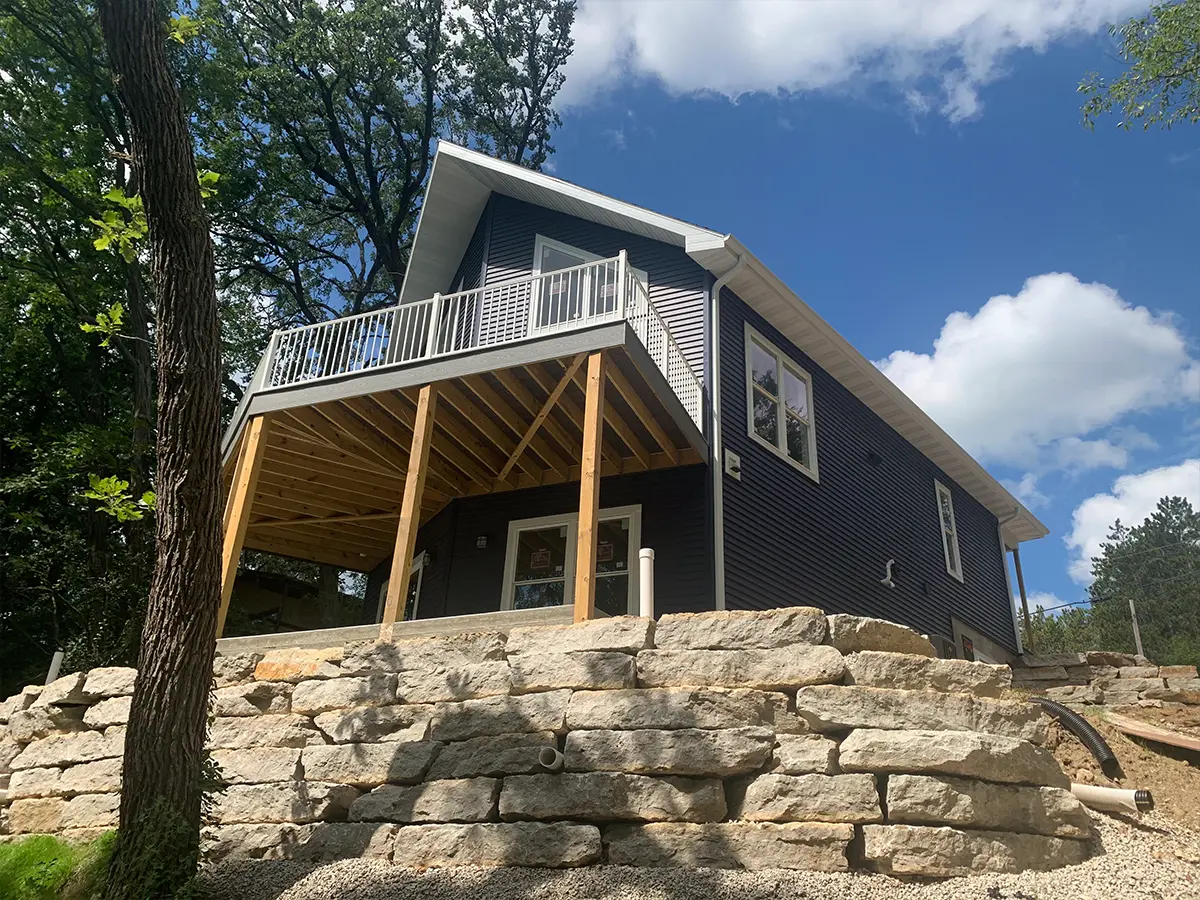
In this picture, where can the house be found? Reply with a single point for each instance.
(568, 379)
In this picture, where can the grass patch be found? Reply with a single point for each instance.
(45, 868)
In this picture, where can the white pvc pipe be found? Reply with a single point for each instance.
(55, 666)
(550, 759)
(1106, 798)
(646, 583)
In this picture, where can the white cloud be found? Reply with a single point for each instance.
(1042, 600)
(1028, 380)
(947, 49)
(1026, 490)
(1132, 499)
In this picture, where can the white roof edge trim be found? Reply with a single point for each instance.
(685, 230)
(1014, 509)
(412, 251)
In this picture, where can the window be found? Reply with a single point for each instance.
(561, 299)
(949, 530)
(539, 566)
(779, 404)
(416, 574)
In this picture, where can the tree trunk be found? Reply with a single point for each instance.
(160, 802)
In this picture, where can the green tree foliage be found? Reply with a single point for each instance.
(1161, 85)
(316, 124)
(322, 119)
(1157, 564)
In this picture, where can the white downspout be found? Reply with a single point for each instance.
(1012, 601)
(718, 464)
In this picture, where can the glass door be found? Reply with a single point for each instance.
(558, 299)
(413, 598)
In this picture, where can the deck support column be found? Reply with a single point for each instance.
(237, 508)
(1024, 599)
(410, 510)
(589, 489)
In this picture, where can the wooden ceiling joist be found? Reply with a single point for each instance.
(515, 423)
(630, 395)
(316, 424)
(328, 520)
(574, 412)
(543, 413)
(531, 405)
(399, 418)
(457, 399)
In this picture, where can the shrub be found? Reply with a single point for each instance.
(46, 868)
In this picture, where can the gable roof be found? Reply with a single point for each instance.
(459, 187)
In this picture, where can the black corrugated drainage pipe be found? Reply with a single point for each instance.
(1082, 729)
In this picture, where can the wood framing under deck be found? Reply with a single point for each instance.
(347, 481)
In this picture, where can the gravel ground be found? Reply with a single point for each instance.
(1152, 858)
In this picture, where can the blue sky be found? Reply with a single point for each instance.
(916, 176)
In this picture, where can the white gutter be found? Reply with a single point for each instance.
(718, 463)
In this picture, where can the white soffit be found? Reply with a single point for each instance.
(459, 187)
(458, 190)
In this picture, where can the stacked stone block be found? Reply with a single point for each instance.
(1105, 678)
(783, 738)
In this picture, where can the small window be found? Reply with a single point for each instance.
(779, 404)
(949, 530)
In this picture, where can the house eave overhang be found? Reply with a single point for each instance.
(763, 291)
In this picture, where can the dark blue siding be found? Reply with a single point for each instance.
(464, 578)
(789, 540)
(677, 284)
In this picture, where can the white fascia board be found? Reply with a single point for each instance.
(573, 192)
(816, 337)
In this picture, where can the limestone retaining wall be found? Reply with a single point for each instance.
(1105, 678)
(731, 739)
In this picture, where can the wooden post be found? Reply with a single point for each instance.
(1024, 600)
(410, 510)
(589, 490)
(237, 510)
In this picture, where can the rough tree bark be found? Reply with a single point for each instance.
(160, 802)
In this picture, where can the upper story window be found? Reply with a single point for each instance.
(779, 404)
(949, 530)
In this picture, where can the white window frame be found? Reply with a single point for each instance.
(949, 535)
(782, 361)
(417, 571)
(540, 241)
(571, 522)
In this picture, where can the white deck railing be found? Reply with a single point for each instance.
(446, 324)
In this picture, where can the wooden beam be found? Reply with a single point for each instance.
(315, 551)
(323, 520)
(589, 489)
(341, 415)
(310, 420)
(237, 466)
(449, 464)
(547, 406)
(410, 509)
(638, 405)
(526, 400)
(513, 421)
(568, 405)
(307, 444)
(237, 516)
(618, 424)
(481, 421)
